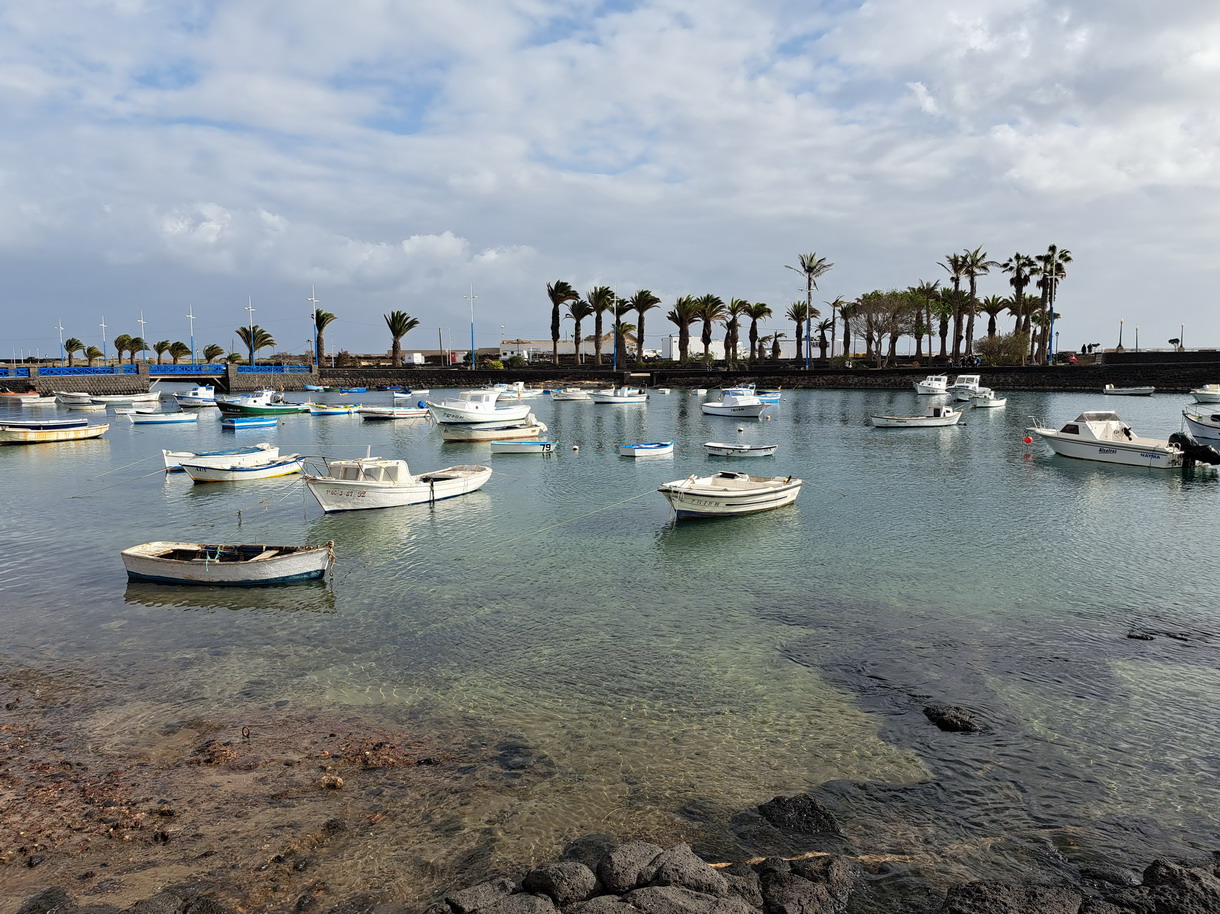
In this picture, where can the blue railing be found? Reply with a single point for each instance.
(14, 372)
(198, 369)
(273, 369)
(61, 370)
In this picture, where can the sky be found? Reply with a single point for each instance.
(184, 162)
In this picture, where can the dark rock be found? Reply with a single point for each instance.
(374, 904)
(800, 813)
(838, 874)
(334, 826)
(989, 897)
(743, 882)
(49, 901)
(1171, 888)
(524, 903)
(564, 882)
(205, 904)
(483, 895)
(161, 903)
(602, 904)
(1137, 635)
(953, 719)
(788, 893)
(668, 899)
(34, 859)
(94, 909)
(588, 850)
(627, 866)
(679, 866)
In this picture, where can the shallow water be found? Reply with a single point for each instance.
(676, 675)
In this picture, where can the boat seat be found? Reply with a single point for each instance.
(266, 554)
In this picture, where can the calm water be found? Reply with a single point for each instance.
(678, 675)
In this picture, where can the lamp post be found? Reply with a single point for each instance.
(190, 314)
(1181, 337)
(103, 326)
(250, 308)
(59, 325)
(1137, 337)
(1120, 333)
(470, 298)
(142, 337)
(314, 357)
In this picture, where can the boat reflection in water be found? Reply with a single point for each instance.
(304, 596)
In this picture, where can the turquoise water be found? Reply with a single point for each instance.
(676, 675)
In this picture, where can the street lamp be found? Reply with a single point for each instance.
(59, 325)
(1137, 337)
(1181, 337)
(1120, 333)
(470, 298)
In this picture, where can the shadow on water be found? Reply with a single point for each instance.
(300, 597)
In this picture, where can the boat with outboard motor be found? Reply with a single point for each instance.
(1103, 436)
(935, 417)
(736, 402)
(932, 384)
(243, 565)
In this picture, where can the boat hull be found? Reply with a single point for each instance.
(914, 421)
(255, 453)
(1205, 428)
(523, 446)
(11, 435)
(729, 494)
(268, 469)
(161, 418)
(1132, 455)
(335, 495)
(458, 415)
(719, 449)
(393, 412)
(748, 411)
(226, 566)
(270, 409)
(651, 449)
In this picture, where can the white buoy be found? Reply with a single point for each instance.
(576, 447)
(741, 428)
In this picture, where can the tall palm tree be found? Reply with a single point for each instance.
(135, 346)
(1021, 266)
(621, 307)
(211, 352)
(821, 328)
(923, 296)
(799, 315)
(71, 346)
(400, 323)
(835, 304)
(992, 305)
(321, 320)
(160, 347)
(684, 312)
(91, 353)
(975, 265)
(1052, 268)
(600, 300)
(775, 338)
(255, 338)
(811, 266)
(710, 310)
(578, 310)
(733, 312)
(178, 350)
(757, 312)
(847, 313)
(955, 264)
(122, 343)
(642, 302)
(558, 292)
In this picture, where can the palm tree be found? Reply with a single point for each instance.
(71, 346)
(975, 264)
(400, 324)
(234, 357)
(179, 350)
(822, 327)
(211, 352)
(160, 347)
(255, 338)
(621, 307)
(122, 343)
(812, 266)
(1021, 266)
(837, 302)
(91, 353)
(732, 328)
(951, 305)
(600, 300)
(956, 264)
(578, 310)
(924, 295)
(775, 338)
(992, 305)
(321, 320)
(135, 346)
(710, 310)
(799, 314)
(1052, 268)
(558, 292)
(847, 313)
(642, 302)
(684, 312)
(757, 312)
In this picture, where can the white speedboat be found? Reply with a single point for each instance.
(932, 384)
(648, 449)
(569, 393)
(197, 396)
(393, 412)
(254, 453)
(619, 395)
(413, 394)
(1204, 426)
(267, 468)
(722, 449)
(738, 402)
(152, 417)
(965, 383)
(374, 482)
(476, 406)
(965, 396)
(244, 565)
(1128, 391)
(727, 494)
(523, 446)
(988, 400)
(516, 391)
(13, 433)
(1101, 435)
(1207, 393)
(935, 417)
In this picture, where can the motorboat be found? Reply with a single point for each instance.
(249, 421)
(254, 453)
(267, 468)
(198, 396)
(153, 417)
(1204, 426)
(965, 396)
(988, 400)
(737, 402)
(965, 383)
(72, 397)
(661, 390)
(333, 409)
(264, 402)
(353, 390)
(375, 482)
(312, 387)
(410, 394)
(244, 565)
(516, 391)
(1207, 393)
(523, 446)
(935, 417)
(722, 449)
(619, 395)
(142, 399)
(16, 434)
(476, 406)
(1128, 391)
(17, 395)
(570, 393)
(36, 400)
(932, 384)
(727, 494)
(529, 427)
(648, 449)
(393, 412)
(1103, 436)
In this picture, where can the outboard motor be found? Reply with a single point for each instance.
(1193, 451)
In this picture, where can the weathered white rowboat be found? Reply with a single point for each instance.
(140, 417)
(254, 453)
(10, 434)
(728, 494)
(230, 566)
(722, 449)
(268, 468)
(935, 417)
(648, 449)
(522, 446)
(375, 482)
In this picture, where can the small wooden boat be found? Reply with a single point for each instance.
(522, 446)
(988, 400)
(935, 417)
(1128, 391)
(15, 395)
(268, 468)
(254, 453)
(11, 434)
(374, 482)
(619, 396)
(87, 407)
(473, 406)
(248, 421)
(140, 417)
(722, 449)
(529, 427)
(44, 424)
(333, 409)
(393, 412)
(143, 399)
(70, 397)
(35, 400)
(312, 387)
(728, 494)
(410, 394)
(649, 449)
(244, 565)
(516, 391)
(353, 390)
(739, 402)
(569, 393)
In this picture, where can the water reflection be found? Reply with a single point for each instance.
(303, 597)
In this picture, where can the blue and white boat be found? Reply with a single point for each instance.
(649, 449)
(43, 425)
(242, 472)
(244, 565)
(151, 417)
(198, 396)
(248, 421)
(523, 446)
(312, 387)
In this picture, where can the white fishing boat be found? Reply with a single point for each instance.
(1207, 393)
(71, 397)
(932, 384)
(16, 434)
(523, 446)
(723, 449)
(988, 400)
(393, 412)
(244, 565)
(965, 396)
(619, 396)
(268, 468)
(727, 494)
(87, 407)
(965, 383)
(198, 396)
(529, 427)
(935, 417)
(264, 402)
(1128, 391)
(35, 400)
(735, 402)
(333, 409)
(235, 422)
(648, 449)
(476, 406)
(1204, 426)
(45, 424)
(412, 394)
(151, 417)
(254, 453)
(375, 482)
(515, 391)
(1103, 436)
(570, 393)
(143, 399)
